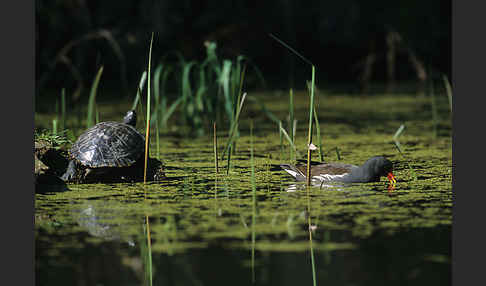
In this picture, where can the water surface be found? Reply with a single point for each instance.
(199, 228)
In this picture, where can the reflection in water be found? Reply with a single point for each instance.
(110, 263)
(101, 222)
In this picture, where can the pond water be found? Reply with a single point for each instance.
(202, 228)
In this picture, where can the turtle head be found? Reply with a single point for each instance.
(130, 118)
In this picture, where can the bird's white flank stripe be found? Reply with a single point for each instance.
(328, 177)
(292, 173)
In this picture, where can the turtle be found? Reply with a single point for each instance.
(108, 151)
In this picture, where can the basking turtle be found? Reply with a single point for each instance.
(110, 151)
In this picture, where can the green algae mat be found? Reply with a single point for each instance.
(202, 228)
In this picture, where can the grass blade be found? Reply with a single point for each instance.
(147, 131)
(215, 148)
(318, 133)
(337, 154)
(309, 141)
(92, 98)
(254, 202)
(146, 250)
(448, 90)
(291, 49)
(141, 84)
(280, 133)
(398, 133)
(63, 109)
(291, 121)
(289, 140)
(234, 126)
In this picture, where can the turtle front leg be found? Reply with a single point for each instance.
(74, 172)
(70, 172)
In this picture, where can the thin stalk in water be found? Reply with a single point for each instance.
(157, 107)
(318, 133)
(291, 122)
(54, 126)
(309, 140)
(435, 117)
(448, 90)
(338, 156)
(398, 133)
(253, 218)
(63, 109)
(215, 144)
(280, 133)
(311, 106)
(232, 133)
(238, 100)
(310, 227)
(147, 131)
(141, 84)
(92, 99)
(148, 252)
(286, 135)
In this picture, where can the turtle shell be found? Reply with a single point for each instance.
(108, 144)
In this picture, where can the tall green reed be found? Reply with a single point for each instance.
(141, 84)
(215, 148)
(54, 126)
(147, 130)
(309, 138)
(311, 107)
(63, 109)
(292, 123)
(311, 246)
(210, 89)
(433, 105)
(318, 134)
(146, 252)
(397, 134)
(448, 88)
(92, 99)
(233, 130)
(254, 202)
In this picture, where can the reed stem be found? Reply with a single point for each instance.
(92, 99)
(309, 141)
(291, 122)
(215, 144)
(147, 131)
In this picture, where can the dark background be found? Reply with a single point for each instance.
(334, 35)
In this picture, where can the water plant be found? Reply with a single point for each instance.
(433, 105)
(292, 123)
(90, 119)
(448, 90)
(309, 137)
(215, 148)
(54, 139)
(147, 130)
(318, 134)
(338, 156)
(253, 204)
(233, 131)
(397, 134)
(208, 91)
(146, 251)
(289, 139)
(310, 146)
(54, 126)
(63, 108)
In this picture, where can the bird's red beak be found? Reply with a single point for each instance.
(392, 180)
